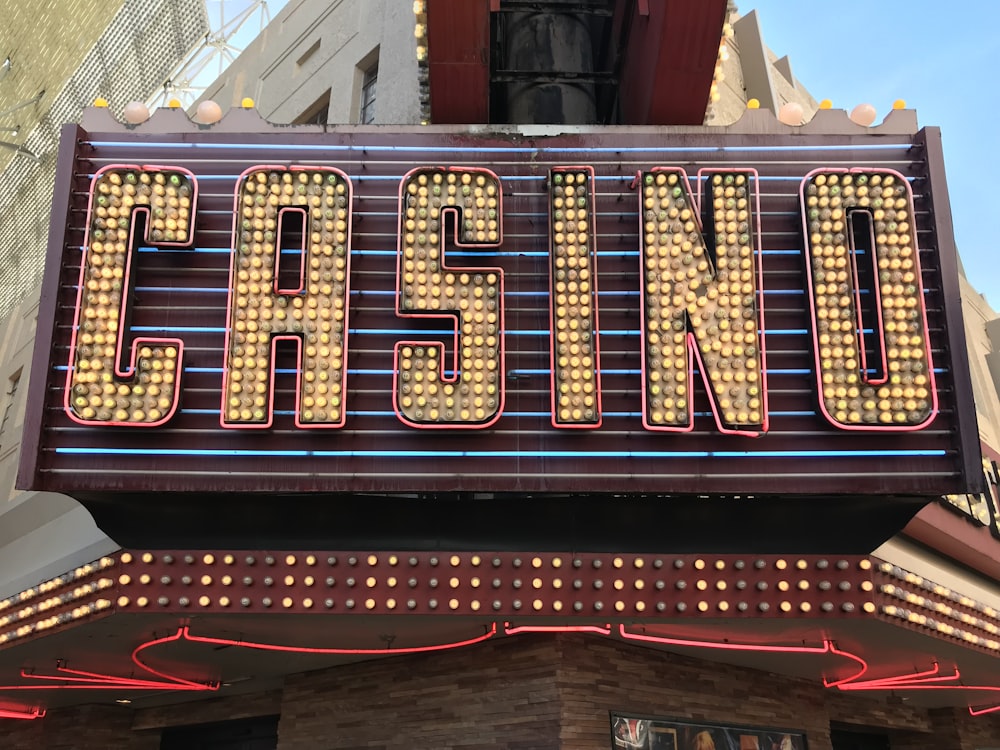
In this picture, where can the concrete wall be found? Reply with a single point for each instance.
(312, 49)
(982, 336)
(769, 69)
(42, 534)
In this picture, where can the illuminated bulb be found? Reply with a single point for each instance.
(899, 104)
(135, 113)
(101, 102)
(208, 113)
(791, 113)
(826, 104)
(863, 114)
(174, 104)
(247, 103)
(753, 104)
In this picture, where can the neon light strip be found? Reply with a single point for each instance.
(504, 149)
(28, 714)
(596, 629)
(500, 454)
(827, 648)
(185, 633)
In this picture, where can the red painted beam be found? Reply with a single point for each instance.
(669, 61)
(458, 58)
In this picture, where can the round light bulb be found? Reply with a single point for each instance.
(208, 112)
(791, 113)
(135, 113)
(899, 104)
(863, 114)
(826, 104)
(174, 104)
(100, 102)
(753, 104)
(247, 103)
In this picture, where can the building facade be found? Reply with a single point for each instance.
(288, 621)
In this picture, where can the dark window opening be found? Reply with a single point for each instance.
(259, 733)
(366, 113)
(848, 739)
(318, 112)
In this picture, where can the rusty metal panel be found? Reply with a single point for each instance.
(669, 61)
(182, 293)
(458, 59)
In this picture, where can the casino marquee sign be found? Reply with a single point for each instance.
(633, 310)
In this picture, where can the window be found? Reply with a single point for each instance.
(318, 112)
(366, 114)
(243, 734)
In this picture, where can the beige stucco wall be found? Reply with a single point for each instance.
(42, 534)
(978, 314)
(311, 48)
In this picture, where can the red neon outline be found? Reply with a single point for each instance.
(29, 714)
(139, 342)
(83, 680)
(163, 675)
(595, 629)
(447, 314)
(852, 251)
(595, 319)
(94, 678)
(828, 647)
(185, 633)
(931, 380)
(915, 678)
(695, 201)
(277, 291)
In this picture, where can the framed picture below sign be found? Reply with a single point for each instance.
(634, 733)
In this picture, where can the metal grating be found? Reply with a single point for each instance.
(132, 58)
(183, 293)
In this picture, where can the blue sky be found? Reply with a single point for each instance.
(943, 59)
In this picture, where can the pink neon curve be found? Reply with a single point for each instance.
(596, 629)
(185, 633)
(29, 714)
(826, 648)
(190, 685)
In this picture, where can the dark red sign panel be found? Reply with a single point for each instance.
(627, 311)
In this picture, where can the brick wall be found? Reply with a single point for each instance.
(600, 676)
(81, 728)
(554, 692)
(498, 695)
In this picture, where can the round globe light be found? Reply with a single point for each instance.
(208, 112)
(791, 113)
(863, 114)
(135, 113)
